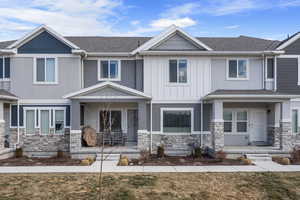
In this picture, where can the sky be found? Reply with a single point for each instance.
(270, 19)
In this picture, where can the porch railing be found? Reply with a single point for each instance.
(114, 138)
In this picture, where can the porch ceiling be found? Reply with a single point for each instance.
(107, 90)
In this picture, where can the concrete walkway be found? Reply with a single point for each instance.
(111, 166)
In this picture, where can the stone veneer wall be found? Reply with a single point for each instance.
(2, 133)
(41, 143)
(217, 133)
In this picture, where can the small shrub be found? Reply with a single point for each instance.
(285, 161)
(60, 154)
(295, 154)
(144, 155)
(241, 158)
(160, 151)
(19, 153)
(247, 161)
(123, 161)
(85, 162)
(221, 155)
(197, 152)
(90, 159)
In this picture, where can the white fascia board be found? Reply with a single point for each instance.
(8, 51)
(127, 54)
(172, 29)
(8, 97)
(39, 30)
(252, 96)
(288, 42)
(104, 84)
(207, 53)
(108, 97)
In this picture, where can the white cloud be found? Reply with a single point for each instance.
(289, 3)
(165, 22)
(182, 10)
(135, 22)
(232, 27)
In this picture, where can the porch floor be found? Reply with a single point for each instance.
(253, 150)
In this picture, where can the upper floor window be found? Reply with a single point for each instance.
(270, 68)
(178, 71)
(109, 70)
(45, 71)
(4, 68)
(237, 69)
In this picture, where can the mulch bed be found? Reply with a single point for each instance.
(184, 161)
(53, 161)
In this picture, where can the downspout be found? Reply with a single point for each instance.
(201, 123)
(150, 126)
(18, 123)
(264, 72)
(275, 74)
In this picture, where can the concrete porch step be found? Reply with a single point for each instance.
(259, 157)
(108, 157)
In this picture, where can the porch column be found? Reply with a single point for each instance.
(217, 125)
(143, 135)
(75, 133)
(277, 129)
(286, 142)
(2, 125)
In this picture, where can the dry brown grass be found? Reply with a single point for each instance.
(156, 186)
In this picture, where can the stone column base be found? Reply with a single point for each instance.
(143, 140)
(217, 133)
(286, 140)
(2, 134)
(75, 140)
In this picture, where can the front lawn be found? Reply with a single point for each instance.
(156, 186)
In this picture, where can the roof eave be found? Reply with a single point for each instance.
(252, 96)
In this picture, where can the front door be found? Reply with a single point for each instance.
(258, 126)
(132, 126)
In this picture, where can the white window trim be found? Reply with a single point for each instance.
(176, 109)
(298, 121)
(25, 116)
(235, 120)
(187, 73)
(237, 79)
(111, 109)
(266, 69)
(3, 67)
(35, 70)
(54, 119)
(118, 78)
(232, 116)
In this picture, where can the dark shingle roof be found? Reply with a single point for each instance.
(128, 44)
(246, 92)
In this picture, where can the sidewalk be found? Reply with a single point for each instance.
(111, 166)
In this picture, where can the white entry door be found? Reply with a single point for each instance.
(258, 125)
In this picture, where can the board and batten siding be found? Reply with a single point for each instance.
(156, 79)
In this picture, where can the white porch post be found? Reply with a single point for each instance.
(277, 129)
(217, 125)
(75, 133)
(2, 125)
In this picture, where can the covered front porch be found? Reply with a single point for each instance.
(251, 121)
(116, 113)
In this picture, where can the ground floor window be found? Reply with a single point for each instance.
(44, 118)
(176, 121)
(111, 120)
(295, 121)
(235, 121)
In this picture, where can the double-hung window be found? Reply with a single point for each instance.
(295, 124)
(4, 68)
(237, 69)
(227, 116)
(44, 121)
(45, 71)
(270, 68)
(235, 121)
(178, 71)
(59, 119)
(109, 70)
(30, 119)
(177, 120)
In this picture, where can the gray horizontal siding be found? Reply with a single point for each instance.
(287, 75)
(45, 43)
(293, 49)
(197, 115)
(131, 73)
